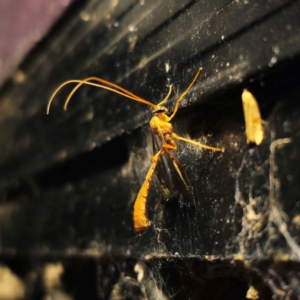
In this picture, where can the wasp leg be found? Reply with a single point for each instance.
(160, 198)
(183, 94)
(167, 97)
(175, 136)
(140, 216)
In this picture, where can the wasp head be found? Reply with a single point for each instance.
(160, 110)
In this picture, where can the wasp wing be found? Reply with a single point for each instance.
(170, 173)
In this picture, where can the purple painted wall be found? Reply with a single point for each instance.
(23, 23)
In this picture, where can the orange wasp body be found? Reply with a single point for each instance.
(160, 125)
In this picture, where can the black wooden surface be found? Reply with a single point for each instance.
(69, 180)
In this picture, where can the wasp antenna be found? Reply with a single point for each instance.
(123, 92)
(54, 94)
(111, 87)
